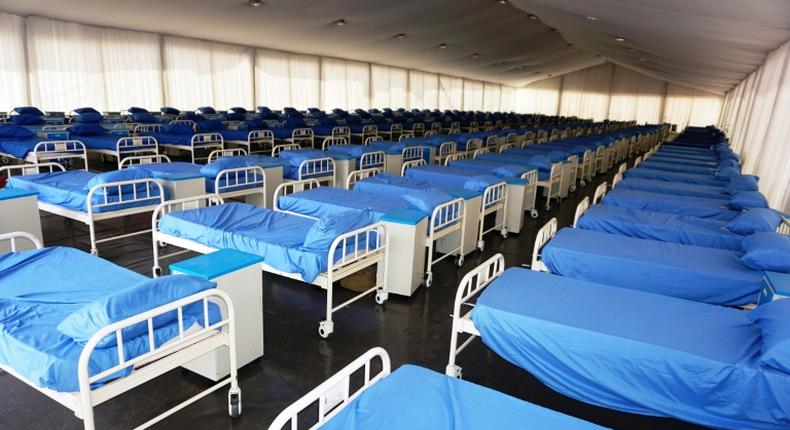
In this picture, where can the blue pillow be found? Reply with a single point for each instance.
(728, 173)
(766, 251)
(192, 116)
(118, 176)
(321, 235)
(179, 129)
(774, 321)
(88, 118)
(747, 200)
(479, 183)
(210, 125)
(207, 110)
(26, 119)
(166, 110)
(84, 322)
(82, 110)
(238, 109)
(742, 183)
(426, 199)
(509, 171)
(15, 132)
(754, 221)
(256, 124)
(144, 117)
(87, 130)
(133, 110)
(29, 110)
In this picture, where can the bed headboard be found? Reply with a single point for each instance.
(14, 237)
(638, 161)
(581, 208)
(332, 141)
(481, 151)
(219, 153)
(277, 149)
(544, 235)
(452, 157)
(292, 187)
(600, 191)
(358, 175)
(142, 159)
(60, 150)
(411, 163)
(623, 167)
(617, 178)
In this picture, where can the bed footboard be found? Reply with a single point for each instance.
(322, 169)
(581, 208)
(335, 393)
(411, 163)
(219, 153)
(412, 153)
(142, 159)
(135, 145)
(16, 236)
(277, 149)
(544, 235)
(358, 175)
(207, 142)
(494, 200)
(600, 191)
(60, 150)
(446, 218)
(163, 358)
(372, 159)
(471, 285)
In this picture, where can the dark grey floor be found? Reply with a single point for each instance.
(415, 330)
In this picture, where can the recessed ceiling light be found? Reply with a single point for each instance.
(592, 18)
(501, 1)
(340, 22)
(475, 55)
(533, 17)
(400, 36)
(443, 46)
(254, 3)
(619, 39)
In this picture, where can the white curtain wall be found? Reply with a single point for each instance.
(473, 95)
(541, 97)
(389, 87)
(423, 90)
(451, 92)
(756, 116)
(344, 84)
(13, 68)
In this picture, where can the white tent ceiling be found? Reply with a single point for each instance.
(707, 44)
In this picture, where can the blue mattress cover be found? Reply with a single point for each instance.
(556, 156)
(38, 289)
(172, 139)
(699, 207)
(634, 351)
(710, 275)
(104, 141)
(663, 175)
(357, 151)
(235, 135)
(275, 236)
(292, 159)
(19, 148)
(324, 201)
(659, 226)
(66, 189)
(677, 167)
(673, 188)
(391, 147)
(455, 177)
(681, 160)
(413, 397)
(528, 163)
(486, 167)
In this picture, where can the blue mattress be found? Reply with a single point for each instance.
(180, 170)
(413, 397)
(293, 159)
(660, 226)
(106, 141)
(634, 351)
(673, 188)
(456, 177)
(391, 147)
(172, 139)
(324, 201)
(67, 189)
(503, 160)
(38, 289)
(663, 175)
(485, 167)
(235, 135)
(282, 132)
(19, 148)
(275, 236)
(699, 207)
(677, 167)
(709, 275)
(533, 150)
(681, 160)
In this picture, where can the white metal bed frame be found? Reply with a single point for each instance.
(395, 129)
(544, 235)
(473, 145)
(198, 142)
(348, 254)
(140, 190)
(600, 191)
(445, 219)
(368, 131)
(470, 287)
(553, 185)
(186, 347)
(302, 134)
(256, 138)
(335, 393)
(322, 169)
(581, 208)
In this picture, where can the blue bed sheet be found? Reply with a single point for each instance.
(391, 147)
(699, 207)
(323, 201)
(293, 159)
(485, 167)
(172, 138)
(680, 160)
(677, 167)
(105, 141)
(19, 148)
(413, 397)
(659, 226)
(38, 289)
(455, 177)
(663, 175)
(710, 275)
(66, 189)
(544, 172)
(275, 236)
(634, 351)
(674, 188)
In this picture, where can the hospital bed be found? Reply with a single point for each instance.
(550, 174)
(700, 207)
(300, 164)
(253, 141)
(204, 224)
(397, 153)
(236, 176)
(444, 231)
(709, 275)
(425, 400)
(21, 144)
(177, 137)
(119, 146)
(363, 158)
(674, 188)
(87, 197)
(134, 347)
(492, 190)
(624, 349)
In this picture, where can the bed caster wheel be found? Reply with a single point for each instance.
(583, 183)
(459, 261)
(381, 296)
(453, 371)
(94, 252)
(234, 403)
(504, 233)
(429, 279)
(157, 271)
(533, 214)
(572, 188)
(481, 245)
(325, 328)
(161, 244)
